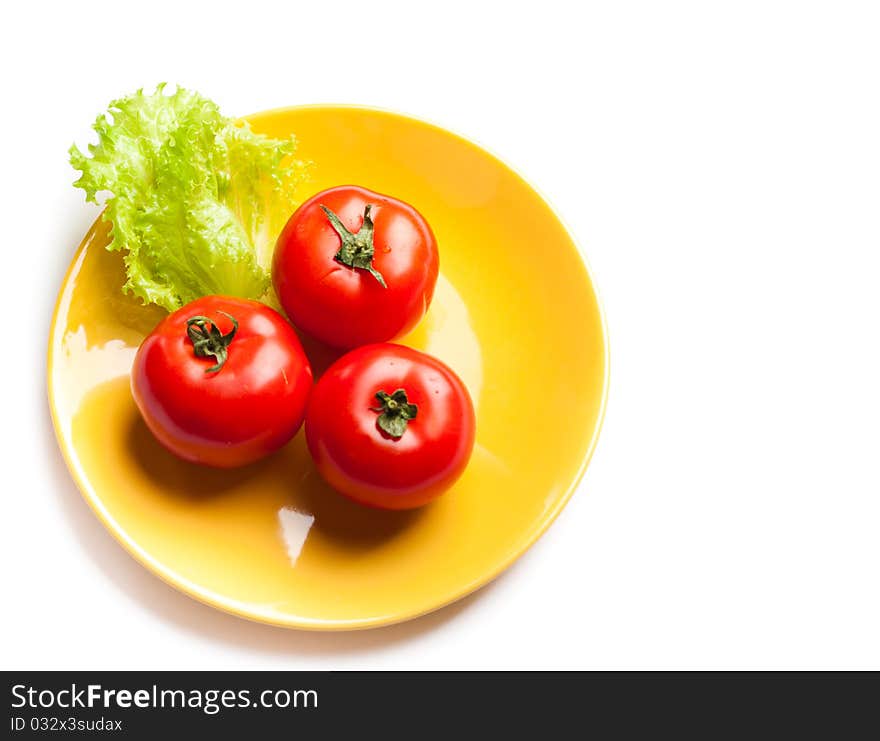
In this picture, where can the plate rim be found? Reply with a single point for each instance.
(229, 606)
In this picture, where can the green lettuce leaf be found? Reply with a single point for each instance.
(195, 199)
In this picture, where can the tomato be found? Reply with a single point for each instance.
(222, 381)
(353, 267)
(390, 427)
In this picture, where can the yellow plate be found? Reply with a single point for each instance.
(515, 314)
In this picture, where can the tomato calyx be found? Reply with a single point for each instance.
(209, 341)
(395, 412)
(356, 250)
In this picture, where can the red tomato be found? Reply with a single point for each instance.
(390, 427)
(222, 381)
(353, 267)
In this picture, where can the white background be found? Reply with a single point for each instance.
(720, 165)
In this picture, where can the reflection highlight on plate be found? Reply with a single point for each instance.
(295, 528)
(87, 367)
(447, 333)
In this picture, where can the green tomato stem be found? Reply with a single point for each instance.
(208, 341)
(395, 412)
(356, 250)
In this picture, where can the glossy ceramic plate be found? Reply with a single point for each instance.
(515, 314)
